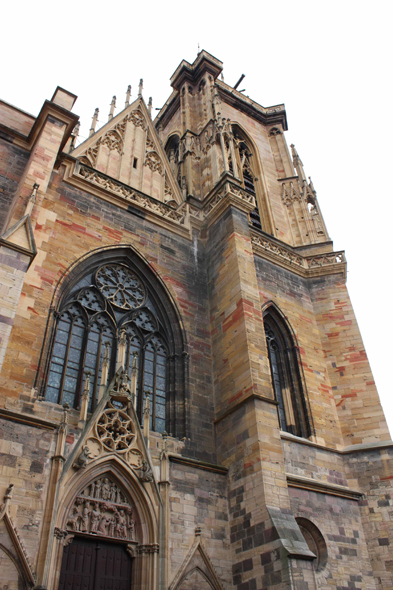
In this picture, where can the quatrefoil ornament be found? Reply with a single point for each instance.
(115, 430)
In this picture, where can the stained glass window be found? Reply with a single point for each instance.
(109, 300)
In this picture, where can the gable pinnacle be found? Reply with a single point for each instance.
(112, 109)
(140, 87)
(128, 96)
(94, 122)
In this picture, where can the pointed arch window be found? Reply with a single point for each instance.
(108, 301)
(287, 381)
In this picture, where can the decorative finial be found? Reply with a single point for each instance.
(112, 109)
(140, 87)
(128, 96)
(198, 50)
(94, 122)
(150, 105)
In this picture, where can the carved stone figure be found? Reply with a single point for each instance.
(95, 518)
(113, 492)
(97, 493)
(111, 530)
(83, 458)
(74, 518)
(85, 517)
(121, 526)
(145, 472)
(106, 489)
(102, 528)
(131, 529)
(92, 488)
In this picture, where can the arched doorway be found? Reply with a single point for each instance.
(102, 527)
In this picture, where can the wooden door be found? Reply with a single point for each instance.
(95, 565)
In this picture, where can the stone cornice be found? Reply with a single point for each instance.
(313, 485)
(28, 420)
(176, 458)
(306, 266)
(361, 448)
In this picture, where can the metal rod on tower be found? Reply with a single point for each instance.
(239, 81)
(112, 109)
(94, 122)
(128, 96)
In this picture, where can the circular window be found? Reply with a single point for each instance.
(120, 286)
(315, 541)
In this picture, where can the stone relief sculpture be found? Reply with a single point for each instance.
(101, 509)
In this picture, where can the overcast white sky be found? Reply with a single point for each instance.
(329, 62)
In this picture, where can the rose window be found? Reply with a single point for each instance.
(115, 429)
(120, 286)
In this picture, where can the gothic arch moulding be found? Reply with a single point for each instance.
(150, 322)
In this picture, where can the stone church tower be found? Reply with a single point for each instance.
(185, 399)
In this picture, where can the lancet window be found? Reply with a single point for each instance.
(286, 375)
(109, 305)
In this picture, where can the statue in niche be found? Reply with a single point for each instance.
(92, 488)
(119, 497)
(95, 517)
(106, 489)
(85, 517)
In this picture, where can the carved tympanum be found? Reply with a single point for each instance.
(102, 509)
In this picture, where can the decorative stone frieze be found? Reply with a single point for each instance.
(331, 263)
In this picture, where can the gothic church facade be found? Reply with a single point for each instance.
(185, 399)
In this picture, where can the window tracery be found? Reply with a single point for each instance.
(286, 377)
(109, 303)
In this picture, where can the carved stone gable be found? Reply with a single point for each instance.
(127, 149)
(114, 430)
